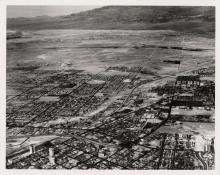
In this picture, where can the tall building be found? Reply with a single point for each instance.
(32, 149)
(51, 155)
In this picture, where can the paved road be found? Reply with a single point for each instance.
(205, 167)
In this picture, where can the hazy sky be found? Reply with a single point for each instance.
(31, 11)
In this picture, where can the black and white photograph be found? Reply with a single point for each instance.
(112, 87)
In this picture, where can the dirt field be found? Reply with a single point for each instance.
(94, 50)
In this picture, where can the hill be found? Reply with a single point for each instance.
(184, 19)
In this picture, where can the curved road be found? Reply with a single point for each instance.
(205, 167)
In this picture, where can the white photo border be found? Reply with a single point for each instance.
(3, 7)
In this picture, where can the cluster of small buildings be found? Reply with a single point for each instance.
(110, 138)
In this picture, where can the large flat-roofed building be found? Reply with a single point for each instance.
(186, 99)
(188, 80)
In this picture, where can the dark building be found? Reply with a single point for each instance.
(212, 149)
(186, 99)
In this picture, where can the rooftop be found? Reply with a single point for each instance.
(188, 78)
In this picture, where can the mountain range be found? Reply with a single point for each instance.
(192, 19)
